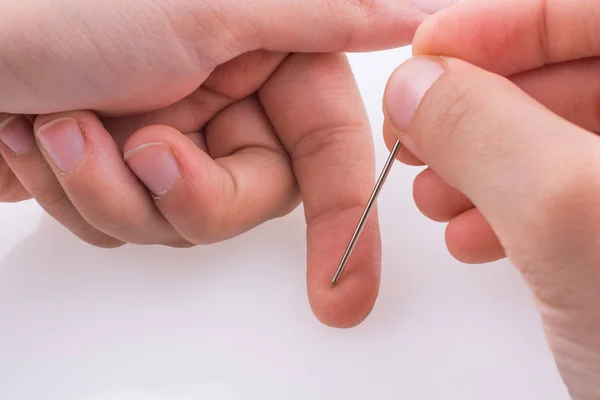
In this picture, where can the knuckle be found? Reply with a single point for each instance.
(337, 212)
(51, 196)
(437, 205)
(328, 141)
(224, 34)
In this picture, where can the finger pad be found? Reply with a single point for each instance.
(352, 300)
(490, 35)
(404, 155)
(470, 239)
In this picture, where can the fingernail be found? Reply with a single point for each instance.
(155, 165)
(63, 141)
(16, 133)
(433, 6)
(407, 87)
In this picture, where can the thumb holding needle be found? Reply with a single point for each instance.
(533, 179)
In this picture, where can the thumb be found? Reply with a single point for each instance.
(512, 157)
(534, 176)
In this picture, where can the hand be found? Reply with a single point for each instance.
(514, 163)
(263, 126)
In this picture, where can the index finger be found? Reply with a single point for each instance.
(316, 109)
(511, 36)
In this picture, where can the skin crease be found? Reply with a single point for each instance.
(513, 160)
(245, 125)
(140, 92)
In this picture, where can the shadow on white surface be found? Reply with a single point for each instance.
(231, 321)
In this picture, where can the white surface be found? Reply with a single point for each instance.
(231, 321)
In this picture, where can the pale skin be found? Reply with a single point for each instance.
(207, 119)
(500, 102)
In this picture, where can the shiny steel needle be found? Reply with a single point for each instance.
(367, 212)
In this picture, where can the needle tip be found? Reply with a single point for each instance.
(365, 215)
(338, 274)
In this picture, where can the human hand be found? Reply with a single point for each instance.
(265, 125)
(514, 164)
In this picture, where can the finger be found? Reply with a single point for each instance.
(11, 189)
(512, 36)
(91, 170)
(23, 156)
(316, 109)
(194, 38)
(228, 83)
(350, 26)
(250, 180)
(533, 175)
(436, 199)
(570, 89)
(404, 155)
(470, 239)
(499, 156)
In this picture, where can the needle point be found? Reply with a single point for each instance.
(366, 213)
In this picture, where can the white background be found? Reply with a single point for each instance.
(231, 321)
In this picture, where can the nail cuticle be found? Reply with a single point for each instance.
(64, 145)
(16, 134)
(156, 166)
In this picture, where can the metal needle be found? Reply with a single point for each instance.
(363, 219)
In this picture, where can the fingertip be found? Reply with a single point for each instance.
(427, 34)
(341, 308)
(471, 240)
(437, 200)
(446, 32)
(350, 302)
(404, 155)
(502, 37)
